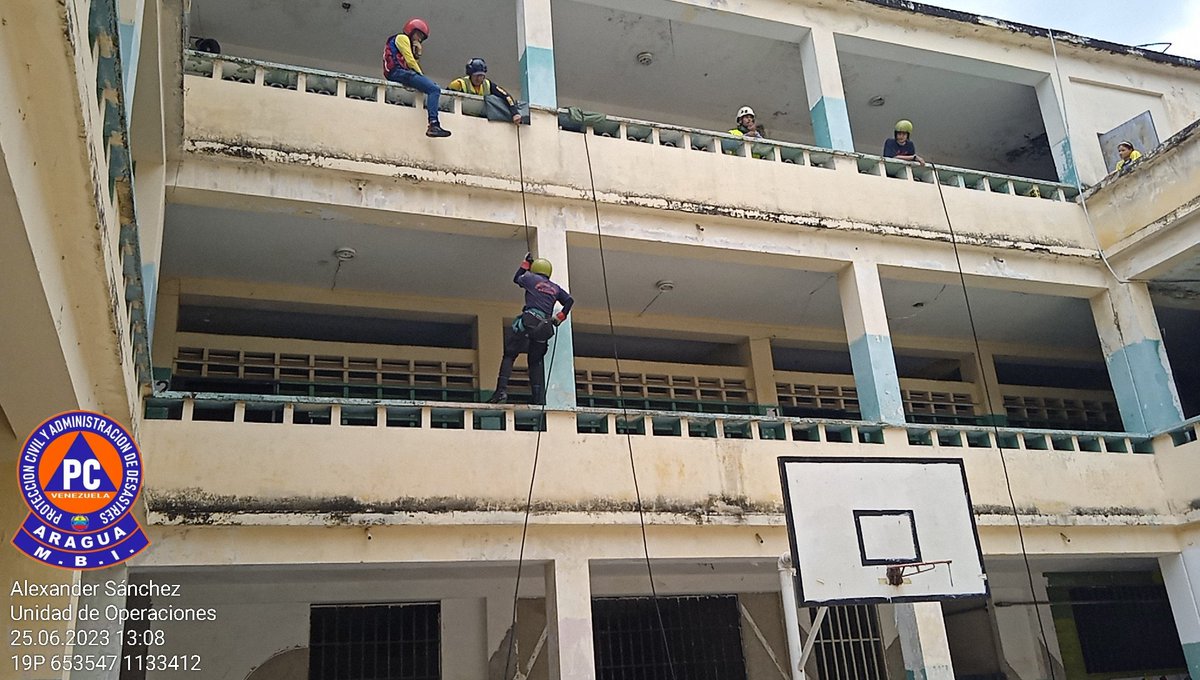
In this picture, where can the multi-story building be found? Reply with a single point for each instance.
(297, 303)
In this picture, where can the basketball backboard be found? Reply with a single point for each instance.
(881, 529)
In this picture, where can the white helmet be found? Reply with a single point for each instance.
(744, 111)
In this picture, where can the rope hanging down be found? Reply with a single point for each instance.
(537, 447)
(625, 415)
(962, 279)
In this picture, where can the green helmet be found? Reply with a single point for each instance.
(541, 266)
(904, 126)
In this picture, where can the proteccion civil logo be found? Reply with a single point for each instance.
(80, 473)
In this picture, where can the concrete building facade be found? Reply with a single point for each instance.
(297, 303)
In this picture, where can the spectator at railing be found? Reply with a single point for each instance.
(401, 64)
(476, 82)
(900, 145)
(746, 127)
(1129, 156)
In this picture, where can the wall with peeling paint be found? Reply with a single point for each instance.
(236, 121)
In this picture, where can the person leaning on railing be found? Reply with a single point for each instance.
(401, 64)
(1129, 156)
(476, 82)
(900, 145)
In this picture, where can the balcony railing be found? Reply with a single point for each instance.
(329, 83)
(285, 410)
(113, 112)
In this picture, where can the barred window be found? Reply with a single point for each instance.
(849, 646)
(375, 642)
(703, 636)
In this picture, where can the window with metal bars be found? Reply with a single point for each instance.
(849, 646)
(375, 642)
(702, 635)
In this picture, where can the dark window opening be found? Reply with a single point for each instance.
(849, 645)
(375, 642)
(1126, 628)
(702, 636)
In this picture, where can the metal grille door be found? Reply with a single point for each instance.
(375, 642)
(849, 646)
(703, 635)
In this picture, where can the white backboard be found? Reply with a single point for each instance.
(850, 519)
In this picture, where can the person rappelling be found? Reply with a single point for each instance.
(534, 326)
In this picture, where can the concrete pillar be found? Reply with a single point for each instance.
(1056, 130)
(1136, 359)
(1181, 575)
(756, 355)
(981, 371)
(826, 98)
(923, 641)
(465, 622)
(551, 243)
(870, 344)
(489, 349)
(535, 46)
(98, 603)
(569, 620)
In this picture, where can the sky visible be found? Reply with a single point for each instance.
(1129, 22)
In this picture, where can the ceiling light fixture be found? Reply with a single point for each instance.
(645, 58)
(345, 254)
(876, 101)
(665, 286)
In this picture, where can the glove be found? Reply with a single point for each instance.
(558, 319)
(527, 261)
(529, 257)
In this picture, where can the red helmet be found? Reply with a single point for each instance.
(415, 24)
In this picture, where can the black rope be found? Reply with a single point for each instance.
(541, 426)
(625, 414)
(995, 428)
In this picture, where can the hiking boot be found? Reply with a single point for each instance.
(436, 130)
(498, 397)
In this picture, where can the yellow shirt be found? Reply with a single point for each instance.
(404, 46)
(1133, 156)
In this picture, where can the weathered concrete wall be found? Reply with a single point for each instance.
(249, 469)
(239, 120)
(1147, 220)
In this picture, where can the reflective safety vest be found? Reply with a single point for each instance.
(463, 84)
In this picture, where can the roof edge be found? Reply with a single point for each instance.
(1017, 27)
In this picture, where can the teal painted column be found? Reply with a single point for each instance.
(1181, 575)
(923, 641)
(826, 97)
(551, 244)
(535, 44)
(870, 343)
(1056, 131)
(1136, 358)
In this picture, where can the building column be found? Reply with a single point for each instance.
(1181, 575)
(826, 98)
(756, 355)
(870, 344)
(1056, 131)
(1136, 358)
(489, 349)
(535, 45)
(551, 244)
(923, 641)
(91, 617)
(569, 620)
(981, 370)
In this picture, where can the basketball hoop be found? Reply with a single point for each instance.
(897, 572)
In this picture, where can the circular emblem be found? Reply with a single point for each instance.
(80, 470)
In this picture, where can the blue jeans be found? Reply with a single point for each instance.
(417, 81)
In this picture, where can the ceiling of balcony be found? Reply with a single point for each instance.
(218, 243)
(705, 65)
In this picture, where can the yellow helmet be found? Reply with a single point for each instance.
(541, 266)
(904, 126)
